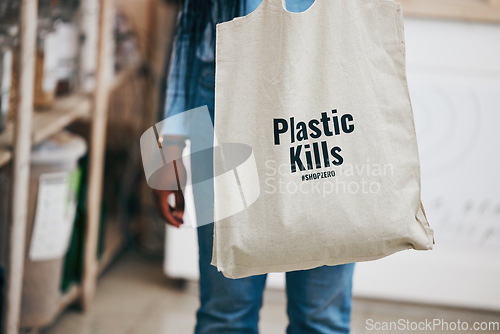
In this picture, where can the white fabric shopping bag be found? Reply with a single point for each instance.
(321, 99)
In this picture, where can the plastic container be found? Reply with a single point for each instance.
(54, 181)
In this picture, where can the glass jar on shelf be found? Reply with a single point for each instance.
(68, 35)
(8, 54)
(62, 14)
(46, 64)
(88, 19)
(68, 41)
(5, 77)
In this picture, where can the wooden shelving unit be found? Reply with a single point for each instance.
(32, 127)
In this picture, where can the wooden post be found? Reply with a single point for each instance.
(21, 166)
(97, 150)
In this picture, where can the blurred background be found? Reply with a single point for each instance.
(82, 246)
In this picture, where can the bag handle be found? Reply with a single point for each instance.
(281, 5)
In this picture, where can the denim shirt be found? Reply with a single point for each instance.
(205, 53)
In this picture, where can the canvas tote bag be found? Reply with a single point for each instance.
(321, 98)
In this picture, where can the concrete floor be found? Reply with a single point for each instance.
(135, 297)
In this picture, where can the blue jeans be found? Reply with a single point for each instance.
(319, 300)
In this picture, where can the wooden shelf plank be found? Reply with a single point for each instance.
(466, 10)
(65, 111)
(47, 123)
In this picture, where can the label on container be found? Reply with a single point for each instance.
(54, 217)
(50, 62)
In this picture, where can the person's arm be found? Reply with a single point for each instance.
(172, 214)
(174, 133)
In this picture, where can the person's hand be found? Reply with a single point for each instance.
(172, 214)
